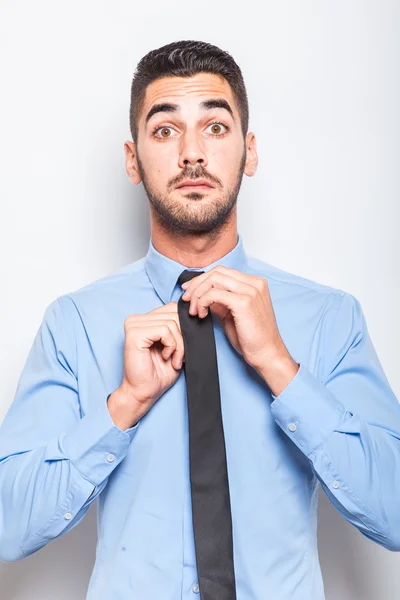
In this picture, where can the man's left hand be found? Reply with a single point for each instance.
(243, 304)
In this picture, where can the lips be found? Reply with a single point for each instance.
(197, 184)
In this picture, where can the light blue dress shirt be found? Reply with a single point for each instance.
(336, 424)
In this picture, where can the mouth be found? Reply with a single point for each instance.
(195, 186)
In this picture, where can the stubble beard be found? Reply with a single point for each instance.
(193, 215)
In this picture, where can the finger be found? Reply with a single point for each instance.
(166, 332)
(256, 281)
(235, 303)
(220, 281)
(146, 336)
(179, 354)
(176, 331)
(245, 277)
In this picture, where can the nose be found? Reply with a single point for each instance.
(192, 151)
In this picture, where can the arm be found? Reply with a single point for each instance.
(54, 462)
(347, 423)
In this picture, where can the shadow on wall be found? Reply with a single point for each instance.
(59, 571)
(353, 567)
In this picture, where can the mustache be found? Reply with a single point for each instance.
(198, 173)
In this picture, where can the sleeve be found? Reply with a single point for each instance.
(54, 462)
(347, 423)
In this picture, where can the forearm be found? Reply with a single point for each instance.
(46, 491)
(364, 458)
(40, 498)
(357, 461)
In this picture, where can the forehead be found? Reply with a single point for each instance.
(187, 89)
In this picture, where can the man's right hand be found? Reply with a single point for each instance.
(153, 357)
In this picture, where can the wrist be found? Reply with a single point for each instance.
(123, 408)
(279, 372)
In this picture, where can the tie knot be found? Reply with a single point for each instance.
(188, 275)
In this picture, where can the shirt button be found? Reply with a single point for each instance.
(68, 516)
(335, 484)
(292, 426)
(195, 588)
(110, 457)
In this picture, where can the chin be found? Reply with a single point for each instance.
(195, 196)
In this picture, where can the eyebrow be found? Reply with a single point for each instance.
(206, 104)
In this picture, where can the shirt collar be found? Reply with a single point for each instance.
(163, 272)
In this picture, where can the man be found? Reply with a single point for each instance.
(101, 406)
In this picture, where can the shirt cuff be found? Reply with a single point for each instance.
(96, 445)
(307, 411)
(62, 519)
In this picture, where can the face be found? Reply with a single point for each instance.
(190, 152)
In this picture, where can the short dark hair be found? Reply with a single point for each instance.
(184, 59)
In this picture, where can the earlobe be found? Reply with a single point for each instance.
(131, 165)
(251, 155)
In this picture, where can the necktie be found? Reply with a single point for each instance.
(211, 511)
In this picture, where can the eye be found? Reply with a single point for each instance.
(217, 128)
(165, 132)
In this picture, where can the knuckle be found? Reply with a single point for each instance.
(175, 324)
(261, 282)
(253, 292)
(247, 301)
(127, 322)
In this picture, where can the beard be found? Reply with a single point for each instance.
(192, 216)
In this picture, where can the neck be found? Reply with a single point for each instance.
(195, 250)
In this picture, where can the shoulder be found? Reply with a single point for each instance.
(102, 292)
(300, 292)
(281, 278)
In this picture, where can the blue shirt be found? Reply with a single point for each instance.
(336, 424)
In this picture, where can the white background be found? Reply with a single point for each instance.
(323, 85)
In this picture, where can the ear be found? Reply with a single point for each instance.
(131, 164)
(251, 155)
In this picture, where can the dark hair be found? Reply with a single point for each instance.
(184, 59)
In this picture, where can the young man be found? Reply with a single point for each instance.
(101, 406)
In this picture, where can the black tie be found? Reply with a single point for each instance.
(211, 511)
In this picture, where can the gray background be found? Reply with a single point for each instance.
(323, 84)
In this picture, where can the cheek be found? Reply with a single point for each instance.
(226, 153)
(159, 164)
(224, 162)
